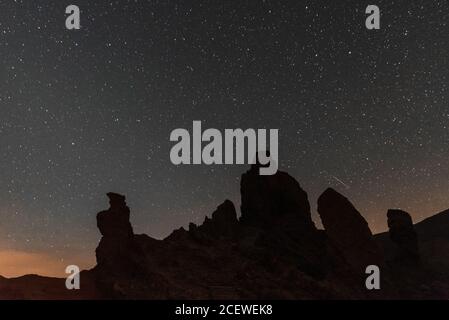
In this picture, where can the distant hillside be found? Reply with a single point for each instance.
(436, 226)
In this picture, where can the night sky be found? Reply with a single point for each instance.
(90, 111)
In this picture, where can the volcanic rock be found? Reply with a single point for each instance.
(349, 231)
(223, 224)
(274, 252)
(273, 198)
(403, 234)
(114, 222)
(121, 259)
(116, 229)
(279, 208)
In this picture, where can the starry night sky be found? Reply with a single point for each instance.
(90, 111)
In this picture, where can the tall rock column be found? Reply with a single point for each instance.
(119, 258)
(279, 209)
(403, 234)
(116, 230)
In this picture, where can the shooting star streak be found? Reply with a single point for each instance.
(341, 182)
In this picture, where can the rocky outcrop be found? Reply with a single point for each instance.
(122, 256)
(223, 224)
(273, 252)
(349, 231)
(276, 211)
(268, 199)
(403, 235)
(116, 230)
(114, 222)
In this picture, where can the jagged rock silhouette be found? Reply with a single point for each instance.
(224, 223)
(114, 222)
(274, 251)
(117, 253)
(116, 230)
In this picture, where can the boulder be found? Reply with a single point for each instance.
(403, 234)
(348, 231)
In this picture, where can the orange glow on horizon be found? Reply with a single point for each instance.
(14, 263)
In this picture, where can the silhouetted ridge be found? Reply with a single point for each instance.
(436, 226)
(224, 223)
(273, 252)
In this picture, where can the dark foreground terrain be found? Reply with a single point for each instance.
(274, 251)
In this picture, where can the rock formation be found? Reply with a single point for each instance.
(121, 259)
(266, 199)
(403, 234)
(273, 252)
(279, 208)
(116, 231)
(224, 223)
(349, 231)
